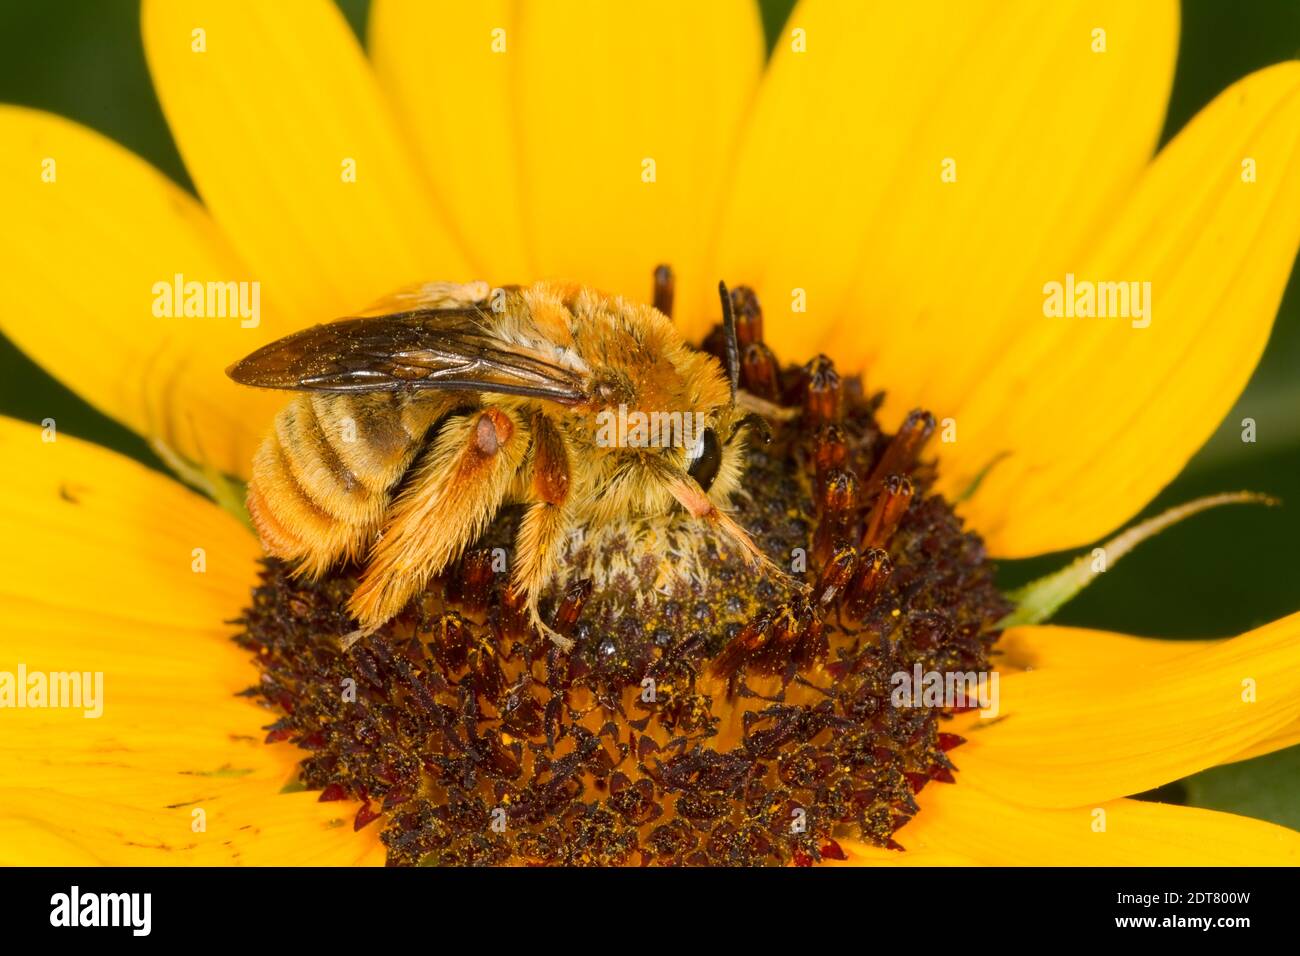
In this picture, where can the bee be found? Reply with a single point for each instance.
(420, 418)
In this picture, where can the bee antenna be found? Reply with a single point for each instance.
(729, 336)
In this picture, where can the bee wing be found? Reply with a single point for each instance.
(428, 295)
(419, 349)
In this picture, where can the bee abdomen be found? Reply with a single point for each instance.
(323, 478)
(319, 470)
(291, 523)
(375, 436)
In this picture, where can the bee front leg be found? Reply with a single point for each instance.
(453, 493)
(546, 523)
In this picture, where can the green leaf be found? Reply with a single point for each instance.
(1264, 788)
(1037, 601)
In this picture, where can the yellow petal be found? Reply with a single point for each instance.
(1066, 738)
(448, 69)
(89, 230)
(89, 530)
(863, 854)
(163, 719)
(1100, 415)
(98, 576)
(1288, 736)
(295, 151)
(1078, 649)
(628, 118)
(841, 191)
(40, 828)
(962, 819)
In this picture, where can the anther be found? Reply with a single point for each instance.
(837, 510)
(900, 455)
(749, 316)
(449, 640)
(760, 372)
(888, 511)
(824, 394)
(514, 613)
(873, 571)
(665, 285)
(815, 646)
(473, 585)
(489, 679)
(753, 637)
(830, 451)
(836, 575)
(575, 597)
(796, 638)
(788, 625)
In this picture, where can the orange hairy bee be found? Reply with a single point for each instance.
(422, 417)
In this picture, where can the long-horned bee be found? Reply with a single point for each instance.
(421, 417)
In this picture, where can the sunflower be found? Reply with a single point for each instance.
(896, 185)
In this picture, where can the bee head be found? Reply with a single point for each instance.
(714, 461)
(667, 429)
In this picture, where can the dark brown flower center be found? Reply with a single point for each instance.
(717, 716)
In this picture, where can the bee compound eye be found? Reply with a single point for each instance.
(705, 458)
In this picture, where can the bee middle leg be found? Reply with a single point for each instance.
(454, 492)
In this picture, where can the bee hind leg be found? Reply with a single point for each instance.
(454, 492)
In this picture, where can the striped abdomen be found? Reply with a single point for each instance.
(323, 477)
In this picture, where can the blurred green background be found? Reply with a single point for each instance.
(1216, 575)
